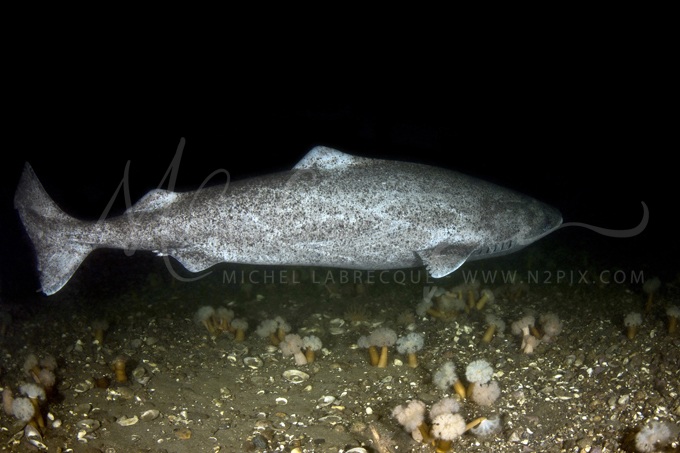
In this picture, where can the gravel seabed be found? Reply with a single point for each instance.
(590, 389)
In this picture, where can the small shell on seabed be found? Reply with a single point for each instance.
(331, 419)
(295, 376)
(140, 376)
(82, 436)
(34, 438)
(357, 450)
(151, 414)
(336, 326)
(127, 421)
(281, 401)
(16, 438)
(82, 409)
(125, 393)
(325, 401)
(183, 433)
(88, 425)
(252, 362)
(240, 349)
(83, 387)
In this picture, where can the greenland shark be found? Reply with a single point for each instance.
(331, 210)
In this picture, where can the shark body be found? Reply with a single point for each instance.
(332, 209)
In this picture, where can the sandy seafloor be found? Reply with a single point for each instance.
(589, 390)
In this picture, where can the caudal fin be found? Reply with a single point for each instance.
(51, 231)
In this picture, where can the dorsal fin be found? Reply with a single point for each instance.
(325, 158)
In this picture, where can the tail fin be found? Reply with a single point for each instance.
(51, 231)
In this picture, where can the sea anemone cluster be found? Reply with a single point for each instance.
(381, 339)
(448, 304)
(446, 428)
(632, 322)
(651, 287)
(357, 314)
(487, 296)
(426, 305)
(409, 345)
(303, 349)
(99, 327)
(551, 326)
(525, 327)
(469, 290)
(440, 303)
(119, 366)
(275, 329)
(494, 325)
(41, 370)
(487, 427)
(292, 345)
(28, 405)
(36, 395)
(479, 371)
(446, 377)
(481, 389)
(442, 424)
(412, 417)
(221, 320)
(654, 436)
(239, 326)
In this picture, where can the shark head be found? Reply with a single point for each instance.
(519, 225)
(507, 225)
(540, 219)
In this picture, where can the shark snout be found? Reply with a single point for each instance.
(551, 219)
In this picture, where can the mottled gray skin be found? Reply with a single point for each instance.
(332, 209)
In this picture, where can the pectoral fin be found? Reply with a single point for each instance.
(443, 259)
